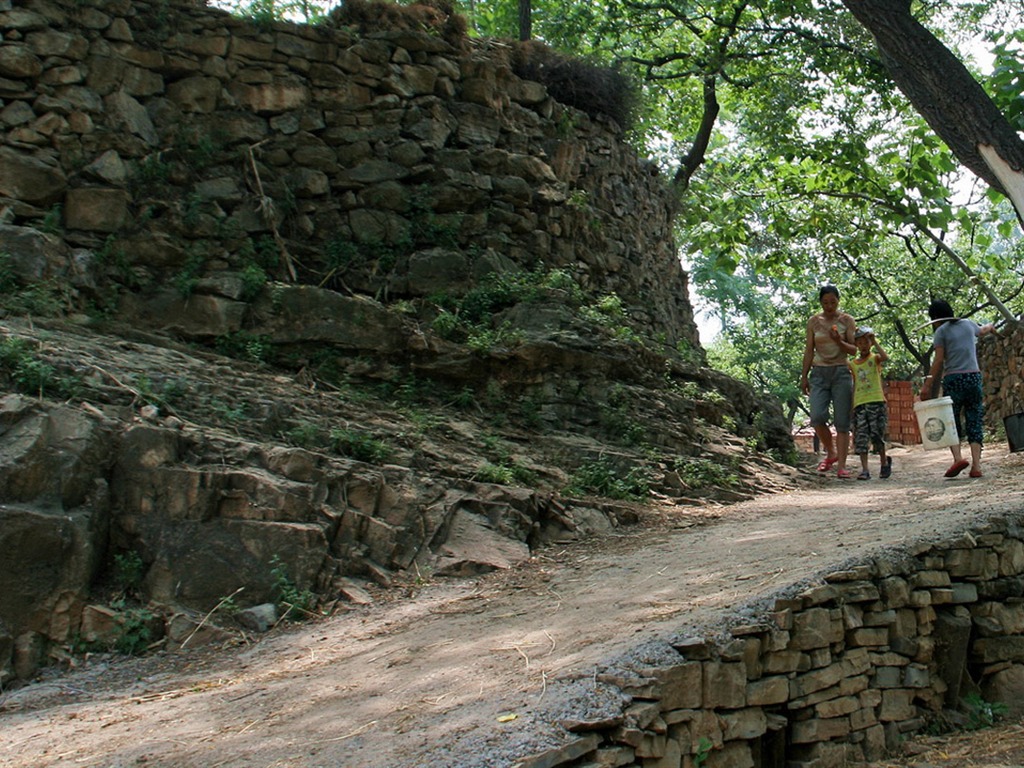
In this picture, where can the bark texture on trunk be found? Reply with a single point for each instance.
(525, 19)
(939, 86)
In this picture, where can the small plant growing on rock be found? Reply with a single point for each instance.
(8, 280)
(291, 599)
(981, 713)
(244, 346)
(136, 634)
(360, 446)
(53, 220)
(128, 572)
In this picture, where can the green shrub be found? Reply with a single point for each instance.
(705, 473)
(245, 346)
(128, 572)
(31, 375)
(981, 713)
(601, 478)
(360, 446)
(136, 634)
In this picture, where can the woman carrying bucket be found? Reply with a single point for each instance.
(956, 357)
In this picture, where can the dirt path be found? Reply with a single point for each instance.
(433, 679)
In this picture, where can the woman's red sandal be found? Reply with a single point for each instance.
(957, 468)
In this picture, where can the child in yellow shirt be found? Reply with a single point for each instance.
(870, 412)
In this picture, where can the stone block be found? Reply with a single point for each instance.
(992, 618)
(671, 758)
(819, 729)
(980, 563)
(858, 592)
(874, 743)
(929, 579)
(989, 650)
(965, 593)
(1006, 686)
(612, 757)
(879, 618)
(725, 685)
(887, 677)
(96, 209)
(816, 680)
(844, 705)
(863, 718)
(1011, 557)
(767, 690)
(868, 637)
(917, 676)
(561, 755)
(680, 685)
(826, 593)
(853, 616)
(815, 628)
(897, 705)
(744, 724)
(894, 592)
(952, 635)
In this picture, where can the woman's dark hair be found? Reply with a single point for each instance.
(825, 290)
(939, 309)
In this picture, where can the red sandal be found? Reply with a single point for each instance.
(957, 468)
(826, 464)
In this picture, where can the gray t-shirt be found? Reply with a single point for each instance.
(959, 341)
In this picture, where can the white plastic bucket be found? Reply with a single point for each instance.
(936, 423)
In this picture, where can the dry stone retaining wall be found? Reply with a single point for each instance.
(1002, 363)
(176, 146)
(832, 676)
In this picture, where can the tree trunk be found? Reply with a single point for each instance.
(942, 90)
(525, 19)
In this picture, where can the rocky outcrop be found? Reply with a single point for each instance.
(225, 481)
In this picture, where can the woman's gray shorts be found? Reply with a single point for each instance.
(831, 385)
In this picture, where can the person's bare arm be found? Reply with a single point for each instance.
(931, 382)
(805, 386)
(883, 356)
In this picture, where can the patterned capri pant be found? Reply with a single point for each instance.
(964, 389)
(870, 424)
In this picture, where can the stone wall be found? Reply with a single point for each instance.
(1002, 363)
(831, 676)
(166, 159)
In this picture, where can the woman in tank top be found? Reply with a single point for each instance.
(826, 377)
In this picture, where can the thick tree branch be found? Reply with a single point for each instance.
(941, 89)
(695, 157)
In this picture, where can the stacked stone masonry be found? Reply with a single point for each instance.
(166, 139)
(1002, 363)
(835, 675)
